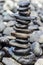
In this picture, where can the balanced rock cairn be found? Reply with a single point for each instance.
(22, 45)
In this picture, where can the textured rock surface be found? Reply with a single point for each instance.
(20, 38)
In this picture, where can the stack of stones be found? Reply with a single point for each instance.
(22, 49)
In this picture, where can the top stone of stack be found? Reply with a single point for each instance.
(24, 3)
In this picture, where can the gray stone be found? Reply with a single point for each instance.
(36, 48)
(2, 26)
(17, 16)
(10, 23)
(24, 3)
(8, 31)
(33, 27)
(15, 44)
(29, 59)
(21, 41)
(35, 36)
(9, 61)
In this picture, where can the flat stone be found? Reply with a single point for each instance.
(21, 52)
(21, 41)
(10, 61)
(39, 61)
(26, 13)
(8, 31)
(2, 26)
(22, 9)
(20, 35)
(20, 26)
(26, 31)
(22, 22)
(15, 44)
(17, 16)
(24, 3)
(33, 27)
(35, 36)
(36, 49)
(29, 59)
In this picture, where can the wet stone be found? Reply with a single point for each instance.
(21, 51)
(29, 59)
(15, 44)
(35, 27)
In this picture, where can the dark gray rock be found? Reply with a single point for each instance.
(29, 59)
(15, 44)
(20, 26)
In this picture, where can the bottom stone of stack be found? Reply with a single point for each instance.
(27, 59)
(20, 51)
